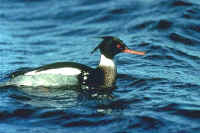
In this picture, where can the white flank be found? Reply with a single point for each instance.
(62, 71)
(106, 62)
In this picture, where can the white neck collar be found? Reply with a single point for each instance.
(104, 61)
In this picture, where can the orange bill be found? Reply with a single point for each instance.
(133, 52)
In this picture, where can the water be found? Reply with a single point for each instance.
(158, 92)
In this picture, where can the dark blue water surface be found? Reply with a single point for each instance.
(155, 93)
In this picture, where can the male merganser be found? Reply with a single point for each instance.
(65, 74)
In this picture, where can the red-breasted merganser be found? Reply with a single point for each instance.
(66, 74)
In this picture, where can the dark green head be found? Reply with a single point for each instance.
(111, 46)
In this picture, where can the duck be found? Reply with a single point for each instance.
(70, 74)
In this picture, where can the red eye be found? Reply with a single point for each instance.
(119, 46)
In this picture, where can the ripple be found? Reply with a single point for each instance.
(184, 55)
(192, 13)
(183, 39)
(20, 97)
(139, 83)
(23, 113)
(195, 27)
(186, 85)
(195, 114)
(99, 19)
(116, 105)
(119, 11)
(143, 25)
(25, 1)
(181, 3)
(18, 62)
(88, 123)
(41, 27)
(37, 43)
(185, 110)
(81, 31)
(164, 24)
(87, 2)
(150, 122)
(18, 113)
(52, 114)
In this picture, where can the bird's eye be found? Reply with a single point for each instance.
(119, 46)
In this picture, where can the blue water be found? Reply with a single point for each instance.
(155, 93)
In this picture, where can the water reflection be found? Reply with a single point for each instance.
(48, 98)
(62, 98)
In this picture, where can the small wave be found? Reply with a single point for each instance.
(94, 2)
(181, 3)
(141, 83)
(18, 113)
(192, 13)
(161, 24)
(41, 27)
(141, 26)
(90, 123)
(195, 27)
(183, 39)
(146, 122)
(186, 110)
(183, 54)
(119, 11)
(191, 86)
(28, 1)
(18, 62)
(56, 113)
(164, 24)
(23, 113)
